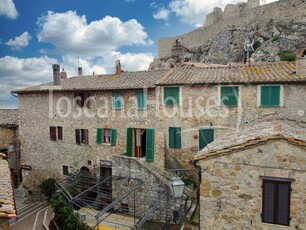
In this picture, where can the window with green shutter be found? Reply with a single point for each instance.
(116, 100)
(206, 136)
(129, 142)
(113, 137)
(175, 137)
(150, 145)
(141, 99)
(270, 95)
(99, 136)
(229, 95)
(171, 96)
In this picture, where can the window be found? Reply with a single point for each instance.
(107, 136)
(276, 202)
(56, 133)
(270, 95)
(229, 95)
(171, 96)
(174, 138)
(206, 136)
(141, 99)
(81, 136)
(65, 170)
(116, 100)
(81, 99)
(140, 143)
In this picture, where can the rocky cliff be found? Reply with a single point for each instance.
(275, 32)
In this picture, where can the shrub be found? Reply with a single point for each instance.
(64, 214)
(287, 55)
(276, 38)
(47, 187)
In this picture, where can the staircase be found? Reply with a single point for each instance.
(35, 216)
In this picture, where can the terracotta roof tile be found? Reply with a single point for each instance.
(7, 205)
(8, 117)
(268, 72)
(124, 80)
(255, 134)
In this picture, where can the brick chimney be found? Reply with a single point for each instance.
(63, 74)
(118, 67)
(56, 74)
(301, 63)
(80, 72)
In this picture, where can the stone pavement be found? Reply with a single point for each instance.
(111, 222)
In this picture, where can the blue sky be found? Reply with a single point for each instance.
(89, 33)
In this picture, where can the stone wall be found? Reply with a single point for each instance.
(207, 113)
(7, 136)
(154, 185)
(47, 157)
(236, 16)
(231, 193)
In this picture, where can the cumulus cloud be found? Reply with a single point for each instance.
(8, 9)
(70, 33)
(19, 42)
(162, 14)
(193, 12)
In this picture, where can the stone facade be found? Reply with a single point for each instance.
(235, 16)
(231, 190)
(38, 150)
(4, 224)
(7, 136)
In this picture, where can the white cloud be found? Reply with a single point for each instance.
(19, 42)
(71, 34)
(193, 12)
(162, 14)
(8, 9)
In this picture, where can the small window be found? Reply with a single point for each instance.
(81, 136)
(141, 99)
(171, 96)
(116, 100)
(56, 133)
(276, 202)
(229, 95)
(107, 136)
(81, 99)
(206, 136)
(174, 137)
(270, 95)
(65, 170)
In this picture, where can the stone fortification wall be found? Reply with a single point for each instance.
(236, 16)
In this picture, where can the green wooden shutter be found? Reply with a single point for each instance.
(270, 96)
(175, 137)
(129, 142)
(171, 96)
(150, 145)
(141, 100)
(113, 137)
(206, 136)
(99, 136)
(229, 95)
(275, 95)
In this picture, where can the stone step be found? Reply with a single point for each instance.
(33, 208)
(191, 211)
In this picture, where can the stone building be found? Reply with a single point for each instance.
(255, 178)
(80, 123)
(9, 143)
(7, 203)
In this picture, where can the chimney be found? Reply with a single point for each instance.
(63, 74)
(56, 74)
(118, 67)
(301, 63)
(80, 72)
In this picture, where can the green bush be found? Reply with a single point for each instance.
(47, 187)
(256, 44)
(287, 55)
(64, 214)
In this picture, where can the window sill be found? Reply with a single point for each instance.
(276, 225)
(106, 144)
(141, 109)
(269, 106)
(116, 108)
